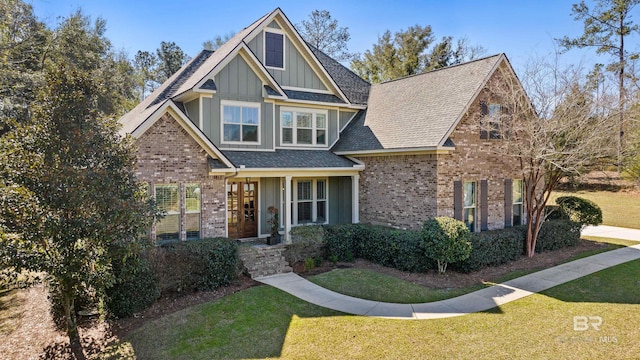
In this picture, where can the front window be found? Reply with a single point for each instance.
(469, 208)
(168, 202)
(303, 127)
(240, 122)
(274, 50)
(309, 201)
(192, 210)
(518, 201)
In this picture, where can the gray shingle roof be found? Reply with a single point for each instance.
(208, 85)
(357, 136)
(419, 111)
(288, 159)
(310, 96)
(355, 88)
(183, 75)
(216, 164)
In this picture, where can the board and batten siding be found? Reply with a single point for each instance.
(340, 206)
(193, 111)
(298, 73)
(345, 116)
(269, 195)
(237, 82)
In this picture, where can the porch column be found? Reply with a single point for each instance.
(355, 198)
(287, 209)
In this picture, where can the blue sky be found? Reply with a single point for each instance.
(519, 28)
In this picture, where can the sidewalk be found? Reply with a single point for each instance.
(612, 232)
(480, 300)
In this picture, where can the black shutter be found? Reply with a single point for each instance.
(484, 205)
(484, 110)
(457, 200)
(508, 203)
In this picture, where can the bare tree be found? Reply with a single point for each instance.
(322, 31)
(552, 128)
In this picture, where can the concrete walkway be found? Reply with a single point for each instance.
(480, 300)
(612, 232)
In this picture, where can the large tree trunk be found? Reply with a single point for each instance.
(72, 327)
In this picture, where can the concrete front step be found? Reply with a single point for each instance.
(262, 260)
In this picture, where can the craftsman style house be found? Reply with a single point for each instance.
(269, 121)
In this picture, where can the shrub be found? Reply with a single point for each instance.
(446, 240)
(343, 241)
(197, 265)
(400, 249)
(557, 234)
(555, 212)
(580, 210)
(135, 287)
(491, 248)
(306, 242)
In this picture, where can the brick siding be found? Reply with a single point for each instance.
(398, 191)
(167, 154)
(405, 190)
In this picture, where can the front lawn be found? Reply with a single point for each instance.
(618, 208)
(264, 322)
(372, 285)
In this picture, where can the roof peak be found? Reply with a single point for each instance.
(444, 68)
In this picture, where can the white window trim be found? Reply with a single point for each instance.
(155, 192)
(256, 105)
(314, 128)
(199, 211)
(514, 202)
(474, 207)
(314, 201)
(284, 47)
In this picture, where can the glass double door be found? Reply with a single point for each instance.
(242, 209)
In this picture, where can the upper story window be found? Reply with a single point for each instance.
(274, 50)
(492, 114)
(303, 127)
(240, 122)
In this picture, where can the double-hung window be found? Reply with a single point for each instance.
(240, 122)
(274, 50)
(469, 195)
(192, 210)
(518, 201)
(168, 202)
(309, 201)
(303, 127)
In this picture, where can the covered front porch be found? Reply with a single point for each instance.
(304, 187)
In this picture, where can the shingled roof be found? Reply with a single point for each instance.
(355, 88)
(418, 111)
(287, 159)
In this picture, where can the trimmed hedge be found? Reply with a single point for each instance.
(491, 248)
(557, 234)
(446, 240)
(135, 288)
(197, 265)
(400, 249)
(306, 242)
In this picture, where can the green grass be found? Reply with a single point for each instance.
(618, 209)
(371, 285)
(263, 322)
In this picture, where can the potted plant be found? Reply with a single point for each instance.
(274, 223)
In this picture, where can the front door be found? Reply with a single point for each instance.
(242, 209)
